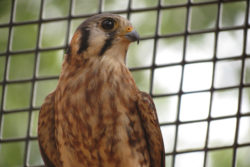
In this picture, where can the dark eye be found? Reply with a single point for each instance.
(108, 24)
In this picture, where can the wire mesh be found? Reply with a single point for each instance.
(194, 73)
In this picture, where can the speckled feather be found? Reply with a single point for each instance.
(97, 116)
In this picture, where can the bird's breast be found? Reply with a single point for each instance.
(98, 122)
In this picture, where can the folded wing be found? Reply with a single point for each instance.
(152, 130)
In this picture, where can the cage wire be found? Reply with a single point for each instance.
(193, 59)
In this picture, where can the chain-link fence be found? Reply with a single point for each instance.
(194, 60)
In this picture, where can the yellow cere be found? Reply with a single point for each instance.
(129, 29)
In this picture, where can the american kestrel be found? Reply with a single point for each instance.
(97, 117)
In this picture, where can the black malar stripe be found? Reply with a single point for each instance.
(84, 44)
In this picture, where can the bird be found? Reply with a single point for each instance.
(97, 116)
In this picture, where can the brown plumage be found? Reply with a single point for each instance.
(97, 116)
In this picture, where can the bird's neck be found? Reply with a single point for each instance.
(115, 51)
(113, 59)
(109, 69)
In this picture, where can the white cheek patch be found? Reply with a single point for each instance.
(96, 41)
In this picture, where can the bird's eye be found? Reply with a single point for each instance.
(108, 24)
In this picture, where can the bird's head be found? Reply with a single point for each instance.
(102, 35)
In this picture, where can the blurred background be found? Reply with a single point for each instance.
(193, 58)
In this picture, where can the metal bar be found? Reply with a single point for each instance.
(117, 12)
(28, 80)
(26, 154)
(202, 120)
(100, 6)
(68, 24)
(6, 67)
(143, 38)
(209, 149)
(17, 139)
(153, 66)
(212, 86)
(238, 115)
(181, 82)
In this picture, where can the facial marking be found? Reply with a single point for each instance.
(84, 41)
(108, 43)
(68, 52)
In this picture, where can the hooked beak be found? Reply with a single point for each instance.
(133, 36)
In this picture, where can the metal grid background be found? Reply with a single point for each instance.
(172, 156)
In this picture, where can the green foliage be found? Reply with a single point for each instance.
(24, 37)
(2, 67)
(21, 66)
(50, 63)
(4, 37)
(111, 5)
(5, 7)
(243, 157)
(142, 79)
(42, 89)
(12, 154)
(22, 14)
(34, 123)
(56, 8)
(85, 7)
(203, 17)
(33, 159)
(141, 24)
(52, 36)
(144, 3)
(232, 14)
(15, 125)
(173, 2)
(1, 90)
(173, 21)
(220, 158)
(17, 96)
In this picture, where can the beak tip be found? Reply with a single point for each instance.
(133, 36)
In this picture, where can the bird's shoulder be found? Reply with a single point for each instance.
(146, 103)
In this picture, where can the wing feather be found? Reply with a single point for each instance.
(46, 135)
(152, 130)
